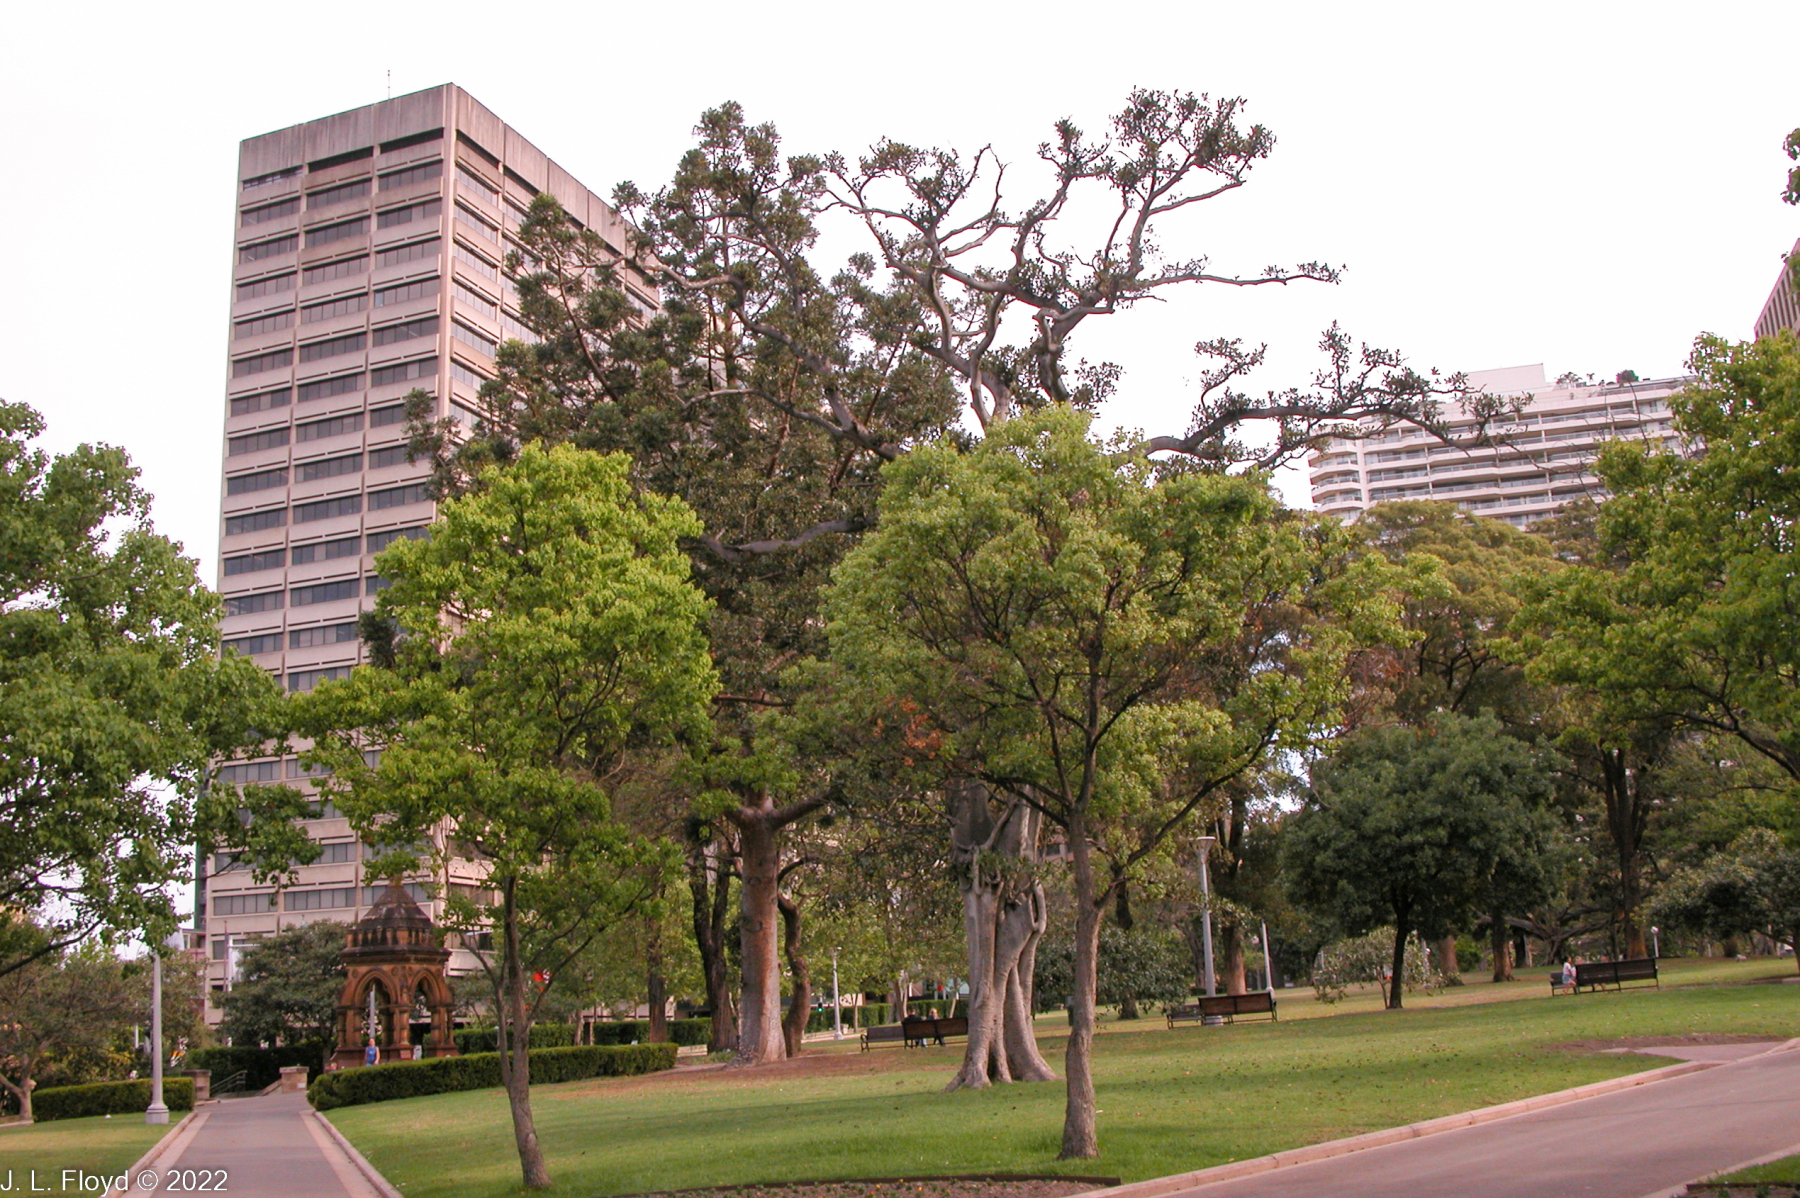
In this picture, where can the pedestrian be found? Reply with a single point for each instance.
(372, 1053)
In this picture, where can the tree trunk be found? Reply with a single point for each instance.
(1128, 1004)
(1003, 919)
(1447, 963)
(1081, 1139)
(709, 882)
(759, 865)
(21, 1092)
(1501, 946)
(655, 986)
(1521, 948)
(1627, 819)
(793, 1027)
(513, 1032)
(1397, 983)
(1231, 946)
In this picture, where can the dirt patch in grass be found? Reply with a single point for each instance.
(1665, 1041)
(986, 1186)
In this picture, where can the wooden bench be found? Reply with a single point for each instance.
(887, 1033)
(915, 1031)
(1592, 975)
(1223, 1006)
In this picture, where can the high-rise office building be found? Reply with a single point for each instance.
(369, 261)
(1782, 309)
(1536, 464)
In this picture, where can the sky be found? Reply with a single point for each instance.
(1584, 185)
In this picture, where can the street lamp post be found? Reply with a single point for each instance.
(837, 1007)
(1656, 943)
(1208, 981)
(157, 1112)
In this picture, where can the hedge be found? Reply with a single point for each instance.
(612, 1031)
(486, 1039)
(261, 1066)
(481, 1071)
(109, 1098)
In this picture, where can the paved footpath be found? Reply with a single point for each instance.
(1626, 1144)
(268, 1147)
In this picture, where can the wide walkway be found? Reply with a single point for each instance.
(268, 1147)
(1627, 1144)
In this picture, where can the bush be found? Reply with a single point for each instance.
(1367, 959)
(690, 1031)
(486, 1039)
(871, 1014)
(261, 1066)
(481, 1071)
(109, 1098)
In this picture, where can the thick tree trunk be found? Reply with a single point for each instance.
(1447, 965)
(1500, 944)
(709, 882)
(1397, 984)
(1231, 947)
(21, 1094)
(759, 866)
(1128, 1004)
(1521, 948)
(1081, 1137)
(1627, 820)
(793, 1026)
(655, 986)
(514, 1034)
(1002, 922)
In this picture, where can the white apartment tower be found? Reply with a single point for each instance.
(1539, 462)
(368, 261)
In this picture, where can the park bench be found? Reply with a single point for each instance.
(1223, 1006)
(1592, 975)
(915, 1030)
(887, 1033)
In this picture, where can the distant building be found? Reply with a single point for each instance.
(1782, 309)
(1539, 462)
(368, 260)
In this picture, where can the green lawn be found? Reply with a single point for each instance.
(1785, 1171)
(95, 1146)
(1171, 1101)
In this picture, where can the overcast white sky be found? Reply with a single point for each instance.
(1584, 185)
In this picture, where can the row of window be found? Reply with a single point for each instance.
(306, 596)
(340, 384)
(326, 898)
(314, 430)
(326, 509)
(298, 638)
(320, 551)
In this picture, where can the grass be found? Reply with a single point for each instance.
(98, 1146)
(1785, 1171)
(1170, 1100)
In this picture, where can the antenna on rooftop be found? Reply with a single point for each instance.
(390, 94)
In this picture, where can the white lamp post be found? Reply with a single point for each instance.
(1656, 943)
(1206, 930)
(837, 1007)
(157, 1112)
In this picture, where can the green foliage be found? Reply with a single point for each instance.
(62, 1007)
(411, 1079)
(1361, 960)
(1146, 964)
(543, 1035)
(113, 698)
(288, 988)
(261, 1066)
(1754, 886)
(109, 1098)
(1410, 827)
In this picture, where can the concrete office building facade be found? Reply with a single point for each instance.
(1539, 462)
(368, 262)
(1782, 309)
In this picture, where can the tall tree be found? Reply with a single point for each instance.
(1753, 886)
(113, 698)
(288, 988)
(1407, 828)
(1101, 648)
(546, 626)
(58, 1004)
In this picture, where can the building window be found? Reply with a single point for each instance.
(261, 480)
(257, 363)
(274, 322)
(238, 773)
(400, 372)
(269, 212)
(398, 496)
(323, 592)
(381, 540)
(475, 261)
(256, 251)
(464, 415)
(255, 522)
(323, 899)
(465, 374)
(471, 219)
(242, 904)
(337, 195)
(253, 442)
(248, 605)
(324, 634)
(392, 455)
(336, 853)
(250, 646)
(301, 681)
(380, 417)
(263, 401)
(324, 551)
(326, 234)
(331, 348)
(337, 307)
(411, 252)
(256, 181)
(377, 584)
(413, 174)
(373, 894)
(299, 769)
(330, 467)
(514, 329)
(250, 563)
(273, 285)
(466, 294)
(418, 289)
(482, 187)
(341, 269)
(337, 385)
(473, 338)
(326, 509)
(336, 426)
(426, 326)
(410, 213)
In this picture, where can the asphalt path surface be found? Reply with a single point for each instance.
(267, 1147)
(1627, 1144)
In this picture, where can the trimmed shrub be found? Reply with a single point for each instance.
(486, 1039)
(871, 1014)
(109, 1098)
(690, 1031)
(261, 1066)
(481, 1071)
